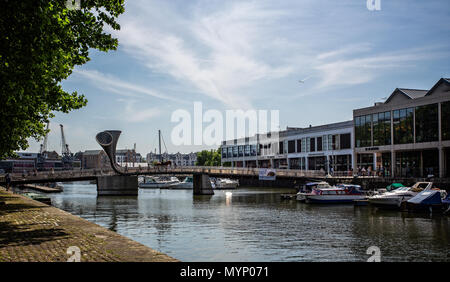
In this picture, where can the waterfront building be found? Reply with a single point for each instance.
(29, 162)
(326, 147)
(177, 159)
(127, 156)
(95, 159)
(408, 135)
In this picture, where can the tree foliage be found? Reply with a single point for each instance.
(209, 158)
(41, 42)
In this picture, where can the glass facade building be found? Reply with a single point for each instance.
(445, 120)
(316, 148)
(408, 135)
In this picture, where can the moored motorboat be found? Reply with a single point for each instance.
(187, 183)
(308, 187)
(398, 197)
(341, 194)
(428, 200)
(224, 183)
(156, 182)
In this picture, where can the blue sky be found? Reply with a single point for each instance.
(250, 55)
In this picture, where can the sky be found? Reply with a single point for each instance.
(251, 55)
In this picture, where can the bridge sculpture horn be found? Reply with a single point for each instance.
(108, 140)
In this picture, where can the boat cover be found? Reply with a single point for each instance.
(394, 186)
(427, 197)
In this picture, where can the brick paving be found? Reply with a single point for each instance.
(34, 232)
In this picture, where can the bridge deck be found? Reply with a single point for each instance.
(92, 174)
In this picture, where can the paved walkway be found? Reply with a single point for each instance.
(32, 231)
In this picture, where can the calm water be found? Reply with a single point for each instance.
(255, 225)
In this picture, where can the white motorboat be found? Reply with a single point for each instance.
(308, 187)
(224, 183)
(340, 194)
(156, 182)
(187, 183)
(395, 198)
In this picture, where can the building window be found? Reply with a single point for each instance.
(364, 161)
(319, 144)
(305, 144)
(427, 123)
(299, 145)
(312, 145)
(445, 121)
(241, 151)
(345, 141)
(341, 162)
(363, 131)
(230, 152)
(325, 142)
(357, 123)
(381, 128)
(336, 143)
(252, 150)
(280, 147)
(316, 163)
(291, 146)
(247, 150)
(235, 151)
(224, 153)
(403, 126)
(294, 163)
(330, 143)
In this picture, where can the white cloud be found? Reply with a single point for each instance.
(337, 69)
(216, 52)
(133, 114)
(116, 85)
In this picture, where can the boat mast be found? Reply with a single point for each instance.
(159, 137)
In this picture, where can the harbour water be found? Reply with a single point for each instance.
(254, 224)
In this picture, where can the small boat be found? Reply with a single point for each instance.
(396, 198)
(428, 200)
(156, 182)
(388, 188)
(340, 194)
(224, 183)
(187, 183)
(308, 187)
(39, 197)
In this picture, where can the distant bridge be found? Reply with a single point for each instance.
(93, 174)
(246, 176)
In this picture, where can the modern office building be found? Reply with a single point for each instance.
(408, 135)
(313, 148)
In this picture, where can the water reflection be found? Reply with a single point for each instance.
(255, 225)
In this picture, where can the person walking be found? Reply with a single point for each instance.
(8, 181)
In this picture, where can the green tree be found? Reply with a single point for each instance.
(209, 158)
(41, 42)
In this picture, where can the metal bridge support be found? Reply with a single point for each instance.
(117, 185)
(202, 185)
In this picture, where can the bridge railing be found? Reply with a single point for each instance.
(58, 174)
(226, 171)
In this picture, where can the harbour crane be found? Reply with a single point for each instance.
(65, 151)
